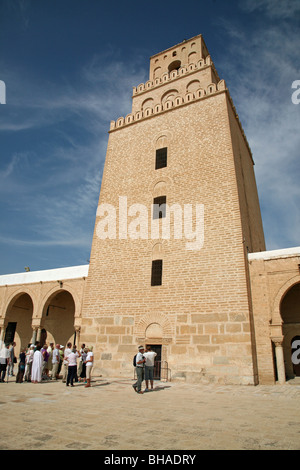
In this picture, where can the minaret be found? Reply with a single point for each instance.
(178, 212)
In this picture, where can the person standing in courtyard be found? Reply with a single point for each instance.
(21, 368)
(12, 359)
(45, 355)
(67, 351)
(140, 362)
(37, 366)
(61, 358)
(72, 367)
(4, 361)
(49, 365)
(149, 367)
(79, 369)
(82, 376)
(89, 362)
(29, 359)
(55, 362)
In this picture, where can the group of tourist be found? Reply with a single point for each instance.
(144, 366)
(37, 363)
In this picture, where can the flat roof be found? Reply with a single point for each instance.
(282, 253)
(59, 274)
(76, 272)
(176, 45)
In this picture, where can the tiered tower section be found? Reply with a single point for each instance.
(188, 69)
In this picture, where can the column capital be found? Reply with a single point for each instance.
(277, 340)
(35, 327)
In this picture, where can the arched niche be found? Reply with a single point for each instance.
(193, 86)
(170, 95)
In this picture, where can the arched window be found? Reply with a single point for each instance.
(174, 65)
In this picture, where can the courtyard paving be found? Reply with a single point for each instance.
(175, 416)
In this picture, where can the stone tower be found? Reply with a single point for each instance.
(178, 213)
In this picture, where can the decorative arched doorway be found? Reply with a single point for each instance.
(290, 314)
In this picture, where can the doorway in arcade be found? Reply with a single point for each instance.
(58, 319)
(18, 320)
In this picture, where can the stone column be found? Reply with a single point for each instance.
(77, 331)
(2, 333)
(39, 333)
(279, 359)
(34, 335)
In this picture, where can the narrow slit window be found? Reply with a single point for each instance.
(161, 158)
(156, 277)
(159, 207)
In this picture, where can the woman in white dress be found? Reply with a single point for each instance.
(37, 365)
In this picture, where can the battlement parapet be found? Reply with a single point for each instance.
(174, 74)
(173, 102)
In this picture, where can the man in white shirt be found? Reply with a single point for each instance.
(149, 366)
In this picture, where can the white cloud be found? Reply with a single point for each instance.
(9, 169)
(273, 8)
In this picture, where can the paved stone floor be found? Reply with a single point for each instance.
(175, 416)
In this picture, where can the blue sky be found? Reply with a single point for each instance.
(69, 67)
